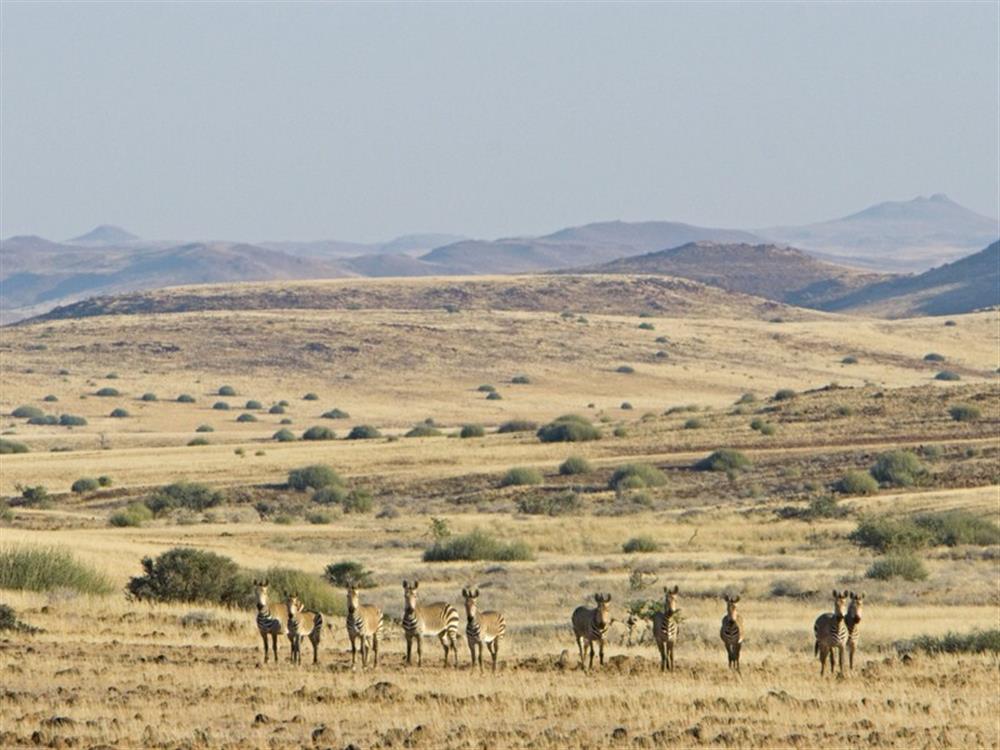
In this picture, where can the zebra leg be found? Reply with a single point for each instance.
(670, 655)
(444, 642)
(364, 652)
(737, 649)
(454, 648)
(495, 652)
(315, 645)
(264, 637)
(840, 652)
(663, 656)
(472, 651)
(480, 657)
(601, 644)
(850, 654)
(409, 648)
(354, 652)
(375, 648)
(579, 645)
(420, 651)
(590, 645)
(274, 647)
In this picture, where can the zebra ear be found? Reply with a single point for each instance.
(475, 593)
(735, 599)
(415, 584)
(405, 585)
(676, 589)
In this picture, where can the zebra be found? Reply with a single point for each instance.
(438, 619)
(271, 620)
(831, 633)
(853, 621)
(482, 627)
(364, 622)
(665, 628)
(731, 631)
(591, 624)
(303, 623)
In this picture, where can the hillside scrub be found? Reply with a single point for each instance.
(517, 425)
(284, 436)
(185, 398)
(334, 414)
(724, 459)
(472, 431)
(27, 412)
(349, 572)
(148, 397)
(947, 375)
(784, 394)
(11, 446)
(955, 527)
(575, 465)
(119, 413)
(521, 475)
(253, 404)
(903, 565)
(318, 433)
(640, 544)
(134, 515)
(363, 432)
(423, 430)
(857, 483)
(636, 476)
(898, 469)
(185, 574)
(204, 428)
(474, 546)
(189, 495)
(29, 568)
(964, 413)
(569, 428)
(220, 406)
(71, 420)
(45, 419)
(560, 504)
(226, 390)
(976, 642)
(246, 417)
(107, 392)
(84, 484)
(314, 476)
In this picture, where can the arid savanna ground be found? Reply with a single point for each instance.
(106, 671)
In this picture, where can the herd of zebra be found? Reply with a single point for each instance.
(835, 632)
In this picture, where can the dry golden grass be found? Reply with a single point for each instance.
(127, 674)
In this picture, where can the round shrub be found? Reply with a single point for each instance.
(104, 480)
(220, 406)
(11, 446)
(517, 425)
(184, 574)
(569, 428)
(849, 361)
(84, 484)
(251, 404)
(423, 430)
(284, 403)
(195, 442)
(560, 504)
(746, 398)
(363, 432)
(472, 431)
(134, 515)
(204, 428)
(310, 397)
(318, 433)
(485, 388)
(724, 459)
(246, 417)
(636, 476)
(284, 436)
(964, 413)
(903, 565)
(574, 465)
(45, 419)
(314, 476)
(947, 375)
(347, 573)
(107, 392)
(521, 475)
(286, 420)
(898, 469)
(494, 396)
(189, 495)
(693, 424)
(111, 376)
(357, 501)
(185, 398)
(626, 406)
(625, 369)
(756, 423)
(226, 390)
(785, 394)
(27, 412)
(640, 544)
(331, 495)
(768, 429)
(477, 545)
(335, 414)
(51, 398)
(276, 409)
(647, 327)
(933, 357)
(520, 380)
(148, 397)
(620, 431)
(120, 413)
(857, 483)
(70, 420)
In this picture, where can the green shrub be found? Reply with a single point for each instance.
(486, 388)
(29, 568)
(849, 361)
(220, 406)
(252, 404)
(134, 515)
(898, 469)
(314, 593)
(625, 369)
(51, 398)
(9, 621)
(11, 446)
(647, 326)
(746, 398)
(285, 421)
(964, 413)
(148, 397)
(107, 392)
(574, 465)
(785, 394)
(84, 484)
(520, 380)
(947, 375)
(111, 376)
(857, 483)
(314, 476)
(640, 544)
(756, 423)
(46, 419)
(569, 428)
(318, 433)
(204, 428)
(693, 424)
(903, 565)
(724, 459)
(885, 534)
(104, 480)
(620, 431)
(768, 430)
(363, 432)
(560, 504)
(636, 476)
(120, 413)
(284, 436)
(246, 417)
(494, 396)
(276, 409)
(625, 406)
(976, 642)
(27, 412)
(184, 574)
(933, 357)
(190, 495)
(195, 442)
(521, 475)
(35, 496)
(319, 517)
(349, 572)
(954, 527)
(335, 414)
(423, 430)
(517, 425)
(185, 398)
(357, 501)
(226, 390)
(331, 495)
(310, 397)
(476, 545)
(472, 431)
(70, 420)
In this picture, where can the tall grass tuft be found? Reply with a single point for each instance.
(48, 569)
(476, 545)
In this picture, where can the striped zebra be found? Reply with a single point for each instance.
(853, 621)
(591, 624)
(665, 628)
(435, 619)
(271, 620)
(731, 631)
(303, 623)
(364, 622)
(831, 633)
(482, 627)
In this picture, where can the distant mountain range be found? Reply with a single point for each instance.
(37, 274)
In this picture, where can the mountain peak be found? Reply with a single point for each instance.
(105, 234)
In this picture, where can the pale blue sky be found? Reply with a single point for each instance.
(261, 121)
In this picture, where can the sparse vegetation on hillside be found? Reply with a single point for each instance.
(636, 476)
(898, 469)
(363, 432)
(318, 433)
(11, 446)
(569, 428)
(32, 568)
(517, 425)
(724, 459)
(190, 495)
(472, 431)
(575, 465)
(477, 545)
(335, 414)
(903, 565)
(521, 475)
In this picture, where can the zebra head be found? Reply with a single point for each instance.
(670, 600)
(295, 605)
(601, 617)
(854, 608)
(840, 604)
(470, 596)
(260, 591)
(410, 595)
(731, 602)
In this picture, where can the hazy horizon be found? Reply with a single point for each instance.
(263, 122)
